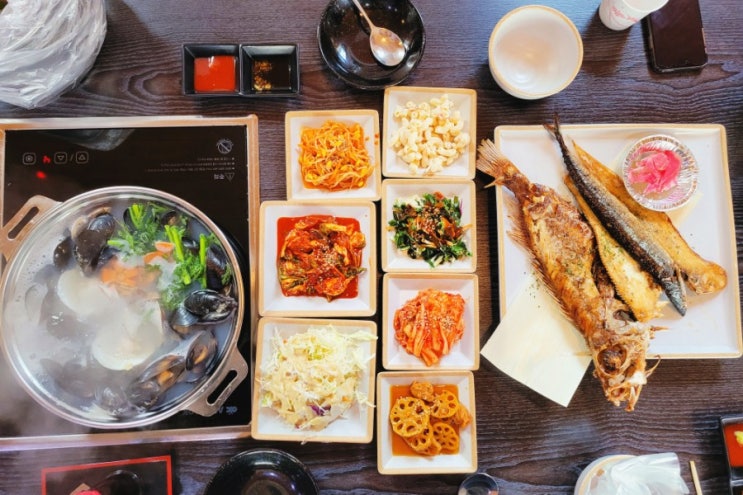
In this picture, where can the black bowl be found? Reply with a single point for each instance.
(344, 41)
(260, 471)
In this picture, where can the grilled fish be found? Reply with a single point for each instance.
(563, 251)
(634, 285)
(625, 227)
(702, 276)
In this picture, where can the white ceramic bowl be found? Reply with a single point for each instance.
(534, 52)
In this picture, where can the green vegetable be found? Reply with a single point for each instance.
(429, 228)
(145, 227)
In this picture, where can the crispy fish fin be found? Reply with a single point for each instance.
(634, 285)
(701, 275)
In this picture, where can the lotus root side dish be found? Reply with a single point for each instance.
(426, 419)
(319, 255)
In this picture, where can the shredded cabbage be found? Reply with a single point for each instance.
(312, 378)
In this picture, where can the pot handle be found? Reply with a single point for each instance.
(17, 228)
(233, 373)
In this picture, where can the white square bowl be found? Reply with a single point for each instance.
(271, 300)
(463, 462)
(296, 121)
(464, 100)
(394, 260)
(399, 288)
(355, 426)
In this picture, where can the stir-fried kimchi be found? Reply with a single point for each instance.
(320, 255)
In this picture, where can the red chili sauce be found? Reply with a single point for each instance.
(287, 224)
(215, 74)
(735, 449)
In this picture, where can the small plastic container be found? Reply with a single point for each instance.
(211, 70)
(649, 187)
(269, 70)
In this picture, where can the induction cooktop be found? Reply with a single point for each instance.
(210, 162)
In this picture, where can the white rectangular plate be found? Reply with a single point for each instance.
(712, 325)
(272, 302)
(297, 120)
(394, 260)
(356, 426)
(399, 288)
(464, 101)
(463, 462)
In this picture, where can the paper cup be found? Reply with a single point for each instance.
(621, 14)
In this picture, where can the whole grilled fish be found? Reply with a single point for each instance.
(625, 227)
(563, 251)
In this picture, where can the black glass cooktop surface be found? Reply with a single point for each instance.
(206, 165)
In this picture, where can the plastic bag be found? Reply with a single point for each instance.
(46, 47)
(655, 474)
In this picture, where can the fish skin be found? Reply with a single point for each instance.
(563, 251)
(701, 275)
(634, 285)
(624, 226)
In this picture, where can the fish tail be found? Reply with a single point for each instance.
(494, 163)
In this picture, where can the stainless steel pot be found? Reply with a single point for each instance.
(28, 241)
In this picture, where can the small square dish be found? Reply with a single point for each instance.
(442, 147)
(394, 455)
(332, 121)
(269, 70)
(211, 70)
(731, 428)
(353, 344)
(400, 289)
(275, 220)
(395, 259)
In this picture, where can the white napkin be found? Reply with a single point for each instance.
(536, 345)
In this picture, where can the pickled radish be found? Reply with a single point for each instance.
(658, 169)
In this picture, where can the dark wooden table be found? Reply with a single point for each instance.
(531, 445)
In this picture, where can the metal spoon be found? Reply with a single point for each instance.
(386, 46)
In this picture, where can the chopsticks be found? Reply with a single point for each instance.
(695, 477)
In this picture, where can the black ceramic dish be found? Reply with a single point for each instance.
(193, 51)
(260, 70)
(269, 70)
(344, 41)
(262, 471)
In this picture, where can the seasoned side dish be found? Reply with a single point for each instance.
(319, 255)
(428, 325)
(427, 418)
(334, 156)
(429, 227)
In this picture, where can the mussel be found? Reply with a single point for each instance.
(210, 305)
(155, 380)
(90, 240)
(218, 271)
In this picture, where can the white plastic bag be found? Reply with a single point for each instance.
(655, 474)
(46, 47)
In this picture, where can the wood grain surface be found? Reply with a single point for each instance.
(531, 445)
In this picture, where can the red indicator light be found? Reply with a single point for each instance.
(40, 175)
(46, 159)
